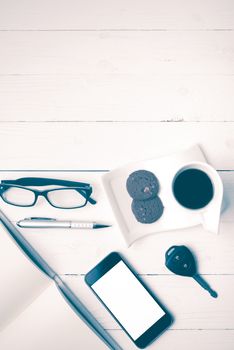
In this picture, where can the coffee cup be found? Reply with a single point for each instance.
(197, 186)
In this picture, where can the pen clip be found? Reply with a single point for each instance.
(39, 219)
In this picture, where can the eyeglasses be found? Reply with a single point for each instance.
(74, 195)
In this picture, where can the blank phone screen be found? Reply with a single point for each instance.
(128, 300)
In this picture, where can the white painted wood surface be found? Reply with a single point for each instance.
(117, 75)
(104, 146)
(86, 86)
(109, 14)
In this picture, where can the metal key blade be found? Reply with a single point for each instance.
(205, 285)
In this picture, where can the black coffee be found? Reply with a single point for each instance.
(193, 189)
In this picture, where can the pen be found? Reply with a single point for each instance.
(37, 222)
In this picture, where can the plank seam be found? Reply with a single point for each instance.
(183, 329)
(78, 170)
(120, 30)
(172, 121)
(151, 274)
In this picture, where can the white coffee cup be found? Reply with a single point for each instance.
(210, 213)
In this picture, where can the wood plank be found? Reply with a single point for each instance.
(102, 14)
(75, 252)
(95, 146)
(192, 307)
(116, 98)
(153, 76)
(184, 339)
(149, 54)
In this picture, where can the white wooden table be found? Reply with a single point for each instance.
(86, 86)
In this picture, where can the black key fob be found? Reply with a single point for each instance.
(180, 260)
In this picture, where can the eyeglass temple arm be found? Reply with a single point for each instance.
(39, 181)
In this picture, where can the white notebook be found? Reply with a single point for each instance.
(33, 314)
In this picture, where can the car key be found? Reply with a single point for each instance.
(180, 260)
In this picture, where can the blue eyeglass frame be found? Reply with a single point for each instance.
(83, 188)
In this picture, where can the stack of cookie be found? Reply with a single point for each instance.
(143, 187)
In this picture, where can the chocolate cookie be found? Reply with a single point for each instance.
(147, 211)
(142, 184)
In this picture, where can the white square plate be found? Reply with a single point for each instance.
(174, 215)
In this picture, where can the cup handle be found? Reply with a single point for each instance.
(210, 219)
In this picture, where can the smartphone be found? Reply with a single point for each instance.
(128, 299)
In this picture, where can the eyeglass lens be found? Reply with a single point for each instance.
(19, 196)
(66, 198)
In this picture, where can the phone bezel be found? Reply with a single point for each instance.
(158, 327)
